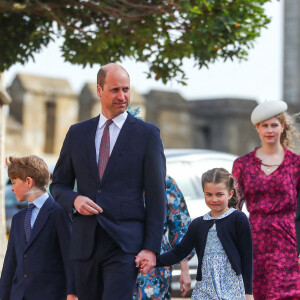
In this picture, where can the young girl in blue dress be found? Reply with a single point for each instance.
(223, 243)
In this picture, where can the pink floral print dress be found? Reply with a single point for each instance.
(272, 202)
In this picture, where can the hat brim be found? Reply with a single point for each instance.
(267, 110)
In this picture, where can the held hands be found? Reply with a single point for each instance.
(72, 297)
(146, 261)
(86, 206)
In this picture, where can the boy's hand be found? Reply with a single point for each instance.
(86, 206)
(72, 297)
(249, 297)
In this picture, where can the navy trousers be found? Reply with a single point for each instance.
(109, 274)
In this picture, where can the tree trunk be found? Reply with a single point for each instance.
(3, 238)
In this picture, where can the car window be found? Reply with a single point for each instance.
(182, 175)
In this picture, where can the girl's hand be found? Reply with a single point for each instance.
(143, 263)
(72, 297)
(185, 278)
(249, 297)
(299, 261)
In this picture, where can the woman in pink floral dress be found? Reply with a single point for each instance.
(268, 181)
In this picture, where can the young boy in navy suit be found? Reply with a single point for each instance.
(36, 265)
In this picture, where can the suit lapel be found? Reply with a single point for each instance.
(91, 147)
(119, 145)
(41, 219)
(20, 228)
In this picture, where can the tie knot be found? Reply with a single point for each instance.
(31, 206)
(108, 123)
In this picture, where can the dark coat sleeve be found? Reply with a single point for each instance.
(182, 250)
(63, 182)
(63, 229)
(154, 189)
(9, 266)
(244, 245)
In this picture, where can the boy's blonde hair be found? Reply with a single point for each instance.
(29, 166)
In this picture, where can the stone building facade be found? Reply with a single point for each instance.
(224, 125)
(291, 65)
(216, 124)
(43, 109)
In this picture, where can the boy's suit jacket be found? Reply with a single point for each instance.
(40, 269)
(135, 171)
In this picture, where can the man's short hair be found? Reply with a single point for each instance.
(101, 75)
(29, 166)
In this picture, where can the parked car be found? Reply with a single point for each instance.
(186, 166)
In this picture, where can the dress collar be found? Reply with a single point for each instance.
(208, 217)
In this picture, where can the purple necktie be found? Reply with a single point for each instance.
(104, 149)
(27, 221)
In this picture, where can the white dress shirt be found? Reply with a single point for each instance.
(38, 202)
(114, 130)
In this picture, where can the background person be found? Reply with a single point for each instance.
(268, 181)
(118, 162)
(223, 243)
(156, 285)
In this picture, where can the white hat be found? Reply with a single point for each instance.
(267, 110)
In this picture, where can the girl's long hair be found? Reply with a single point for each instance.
(221, 175)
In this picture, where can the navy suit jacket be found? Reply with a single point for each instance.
(131, 192)
(39, 269)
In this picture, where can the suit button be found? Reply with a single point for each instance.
(99, 191)
(25, 255)
(25, 275)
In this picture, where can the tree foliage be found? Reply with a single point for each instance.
(159, 32)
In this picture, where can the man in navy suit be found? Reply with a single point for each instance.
(36, 264)
(118, 209)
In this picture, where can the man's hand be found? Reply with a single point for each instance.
(150, 257)
(72, 297)
(185, 278)
(86, 206)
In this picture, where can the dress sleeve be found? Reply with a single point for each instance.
(297, 223)
(178, 217)
(297, 218)
(237, 172)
